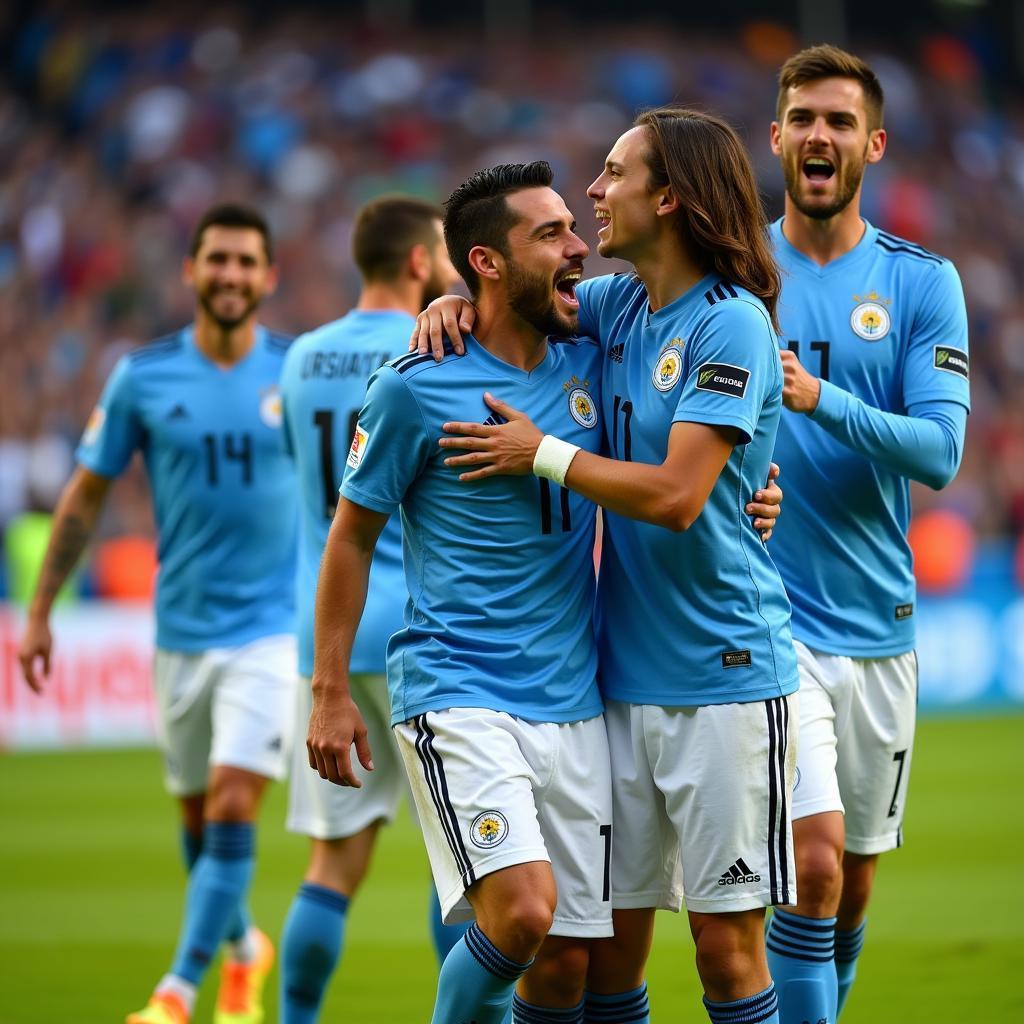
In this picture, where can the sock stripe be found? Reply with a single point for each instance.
(491, 958)
(224, 840)
(755, 1008)
(526, 1013)
(619, 1008)
(433, 773)
(800, 937)
(849, 944)
(325, 897)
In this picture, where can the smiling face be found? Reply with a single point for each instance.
(624, 203)
(824, 144)
(230, 274)
(543, 262)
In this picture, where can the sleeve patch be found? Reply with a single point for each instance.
(952, 360)
(92, 429)
(360, 439)
(723, 378)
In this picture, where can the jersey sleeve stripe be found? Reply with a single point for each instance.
(907, 251)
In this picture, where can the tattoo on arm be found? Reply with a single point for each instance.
(70, 536)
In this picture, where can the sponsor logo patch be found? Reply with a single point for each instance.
(488, 829)
(95, 424)
(904, 611)
(736, 659)
(952, 360)
(360, 439)
(723, 378)
(582, 408)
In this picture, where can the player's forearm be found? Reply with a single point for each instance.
(925, 446)
(74, 521)
(340, 597)
(636, 490)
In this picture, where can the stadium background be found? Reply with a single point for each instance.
(120, 123)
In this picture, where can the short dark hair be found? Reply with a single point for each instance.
(827, 61)
(477, 213)
(232, 215)
(386, 229)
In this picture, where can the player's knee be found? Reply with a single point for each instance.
(522, 926)
(727, 955)
(561, 968)
(819, 877)
(231, 803)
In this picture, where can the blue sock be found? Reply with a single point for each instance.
(310, 946)
(216, 886)
(848, 947)
(621, 1008)
(191, 847)
(476, 983)
(444, 935)
(755, 1009)
(800, 958)
(526, 1013)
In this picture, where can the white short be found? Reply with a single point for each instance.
(229, 706)
(320, 809)
(493, 790)
(857, 718)
(702, 797)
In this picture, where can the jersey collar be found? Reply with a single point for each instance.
(499, 366)
(790, 253)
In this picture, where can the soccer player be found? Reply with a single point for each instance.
(876, 388)
(399, 249)
(492, 681)
(202, 405)
(696, 661)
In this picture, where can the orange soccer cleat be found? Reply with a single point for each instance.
(240, 997)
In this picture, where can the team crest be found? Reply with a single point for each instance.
(581, 408)
(870, 318)
(360, 439)
(270, 408)
(489, 829)
(669, 368)
(92, 429)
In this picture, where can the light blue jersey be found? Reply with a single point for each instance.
(499, 571)
(323, 385)
(885, 328)
(699, 617)
(223, 488)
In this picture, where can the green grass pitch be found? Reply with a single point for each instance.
(90, 892)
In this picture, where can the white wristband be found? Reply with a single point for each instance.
(553, 458)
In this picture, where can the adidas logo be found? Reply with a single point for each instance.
(615, 352)
(179, 412)
(494, 420)
(738, 874)
(274, 744)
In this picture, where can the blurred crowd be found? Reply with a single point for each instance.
(115, 133)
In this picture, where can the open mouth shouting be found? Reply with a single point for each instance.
(604, 219)
(565, 286)
(818, 169)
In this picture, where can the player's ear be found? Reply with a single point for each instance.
(876, 145)
(487, 262)
(188, 272)
(775, 138)
(419, 262)
(668, 201)
(271, 279)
